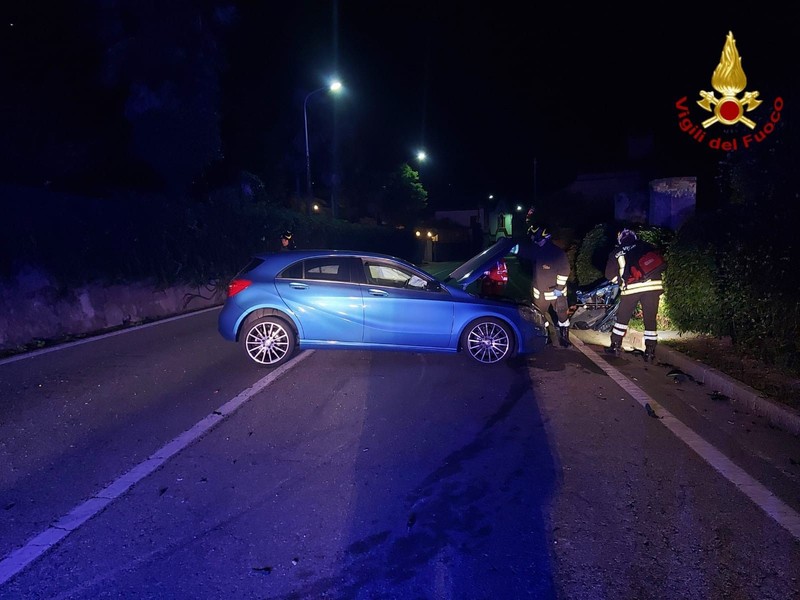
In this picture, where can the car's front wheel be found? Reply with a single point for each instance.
(269, 341)
(488, 340)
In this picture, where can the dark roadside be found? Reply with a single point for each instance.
(714, 362)
(717, 366)
(719, 353)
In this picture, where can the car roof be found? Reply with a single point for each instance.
(282, 259)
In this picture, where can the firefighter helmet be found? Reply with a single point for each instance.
(626, 236)
(538, 234)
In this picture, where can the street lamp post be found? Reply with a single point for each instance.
(333, 87)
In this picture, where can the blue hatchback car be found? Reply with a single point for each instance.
(315, 299)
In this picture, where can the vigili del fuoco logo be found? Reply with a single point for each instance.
(729, 107)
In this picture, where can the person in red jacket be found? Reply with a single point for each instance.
(638, 268)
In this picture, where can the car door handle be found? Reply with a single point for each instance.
(298, 286)
(374, 292)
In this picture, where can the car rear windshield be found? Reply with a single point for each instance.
(254, 262)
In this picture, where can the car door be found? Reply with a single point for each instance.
(403, 309)
(325, 300)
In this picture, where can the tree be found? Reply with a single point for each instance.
(403, 199)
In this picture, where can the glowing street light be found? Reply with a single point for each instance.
(334, 87)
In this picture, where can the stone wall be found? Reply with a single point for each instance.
(34, 310)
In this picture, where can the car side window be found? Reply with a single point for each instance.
(294, 271)
(385, 274)
(333, 268)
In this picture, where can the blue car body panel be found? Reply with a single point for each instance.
(407, 317)
(324, 310)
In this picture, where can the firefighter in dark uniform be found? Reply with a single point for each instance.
(549, 283)
(287, 241)
(636, 287)
(524, 235)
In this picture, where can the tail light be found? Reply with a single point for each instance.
(499, 272)
(237, 285)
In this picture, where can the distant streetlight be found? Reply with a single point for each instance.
(333, 87)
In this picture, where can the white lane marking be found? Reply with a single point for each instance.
(759, 494)
(94, 338)
(18, 559)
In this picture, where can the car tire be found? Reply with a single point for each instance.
(488, 341)
(268, 341)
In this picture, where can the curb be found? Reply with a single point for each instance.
(777, 414)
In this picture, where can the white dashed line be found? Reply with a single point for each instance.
(17, 560)
(763, 498)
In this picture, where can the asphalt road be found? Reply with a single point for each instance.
(158, 463)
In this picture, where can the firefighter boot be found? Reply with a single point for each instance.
(614, 349)
(650, 351)
(564, 336)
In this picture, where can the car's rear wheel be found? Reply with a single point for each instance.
(269, 341)
(488, 340)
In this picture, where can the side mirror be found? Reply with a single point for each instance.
(433, 286)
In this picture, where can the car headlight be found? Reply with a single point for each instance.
(531, 314)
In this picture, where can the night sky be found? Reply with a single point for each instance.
(505, 98)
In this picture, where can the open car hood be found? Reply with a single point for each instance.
(479, 264)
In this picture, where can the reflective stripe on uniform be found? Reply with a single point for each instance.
(654, 285)
(619, 329)
(551, 296)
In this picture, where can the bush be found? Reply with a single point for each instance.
(690, 283)
(730, 275)
(592, 254)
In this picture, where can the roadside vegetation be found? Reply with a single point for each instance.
(729, 276)
(731, 285)
(170, 239)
